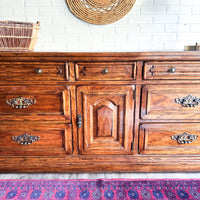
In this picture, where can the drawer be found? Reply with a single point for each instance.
(33, 71)
(105, 71)
(35, 103)
(170, 102)
(169, 139)
(33, 140)
(172, 70)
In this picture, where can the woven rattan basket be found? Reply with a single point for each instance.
(18, 36)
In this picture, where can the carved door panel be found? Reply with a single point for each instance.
(107, 119)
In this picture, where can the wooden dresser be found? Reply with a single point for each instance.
(100, 112)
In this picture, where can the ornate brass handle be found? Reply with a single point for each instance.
(189, 101)
(105, 71)
(38, 70)
(20, 102)
(173, 70)
(25, 139)
(184, 138)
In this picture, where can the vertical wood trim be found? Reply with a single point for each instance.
(145, 71)
(66, 102)
(148, 101)
(67, 71)
(79, 131)
(146, 138)
(136, 119)
(144, 99)
(141, 139)
(139, 71)
(129, 115)
(81, 111)
(68, 139)
(73, 115)
(64, 96)
(71, 71)
(134, 70)
(85, 121)
(76, 72)
(93, 124)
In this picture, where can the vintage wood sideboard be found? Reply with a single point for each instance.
(100, 112)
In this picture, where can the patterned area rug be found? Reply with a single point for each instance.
(100, 189)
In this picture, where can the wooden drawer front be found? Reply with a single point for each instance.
(48, 140)
(172, 70)
(27, 71)
(39, 103)
(105, 71)
(169, 139)
(170, 102)
(107, 115)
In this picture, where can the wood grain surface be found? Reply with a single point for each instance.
(127, 107)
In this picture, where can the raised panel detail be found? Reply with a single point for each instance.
(52, 140)
(105, 71)
(27, 71)
(50, 103)
(162, 102)
(159, 138)
(171, 70)
(105, 120)
(108, 119)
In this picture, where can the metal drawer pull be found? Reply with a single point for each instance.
(172, 70)
(105, 71)
(20, 102)
(25, 139)
(189, 101)
(38, 70)
(184, 138)
(79, 121)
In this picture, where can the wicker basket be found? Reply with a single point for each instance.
(100, 11)
(18, 36)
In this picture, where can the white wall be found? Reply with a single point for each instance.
(151, 25)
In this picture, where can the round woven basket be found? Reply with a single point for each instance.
(100, 11)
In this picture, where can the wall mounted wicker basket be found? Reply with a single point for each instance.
(18, 36)
(100, 11)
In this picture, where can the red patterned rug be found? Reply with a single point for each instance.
(100, 189)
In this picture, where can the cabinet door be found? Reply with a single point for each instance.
(107, 119)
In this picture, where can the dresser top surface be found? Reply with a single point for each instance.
(126, 56)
